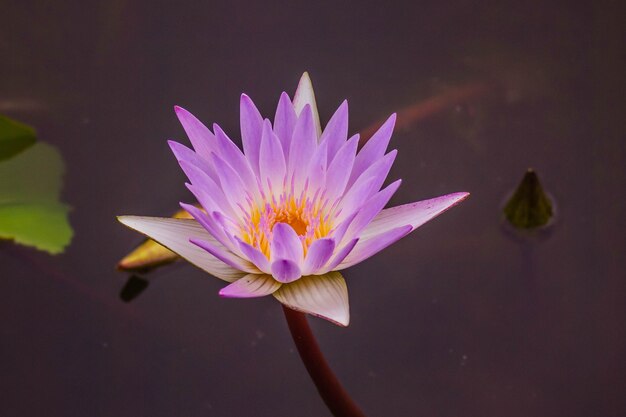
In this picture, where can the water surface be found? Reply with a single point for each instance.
(456, 320)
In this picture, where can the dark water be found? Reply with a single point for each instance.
(456, 320)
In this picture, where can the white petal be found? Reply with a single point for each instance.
(226, 256)
(305, 95)
(324, 296)
(251, 286)
(174, 234)
(414, 214)
(369, 247)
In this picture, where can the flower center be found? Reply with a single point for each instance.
(307, 218)
(294, 220)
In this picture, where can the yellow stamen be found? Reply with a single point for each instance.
(307, 219)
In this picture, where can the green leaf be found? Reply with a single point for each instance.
(14, 137)
(30, 210)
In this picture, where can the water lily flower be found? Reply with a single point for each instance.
(295, 207)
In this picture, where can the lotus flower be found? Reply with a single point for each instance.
(298, 205)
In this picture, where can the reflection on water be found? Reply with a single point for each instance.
(458, 319)
(133, 287)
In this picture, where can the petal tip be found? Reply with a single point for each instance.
(285, 271)
(460, 196)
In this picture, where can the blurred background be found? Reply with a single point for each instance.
(461, 318)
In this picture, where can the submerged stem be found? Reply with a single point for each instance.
(334, 395)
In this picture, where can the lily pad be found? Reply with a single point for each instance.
(15, 137)
(30, 211)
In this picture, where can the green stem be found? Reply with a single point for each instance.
(334, 395)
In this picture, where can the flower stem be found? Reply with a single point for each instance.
(334, 395)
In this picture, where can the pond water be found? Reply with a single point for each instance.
(458, 319)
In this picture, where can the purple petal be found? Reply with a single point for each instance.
(250, 286)
(233, 156)
(251, 124)
(324, 296)
(339, 232)
(378, 171)
(230, 227)
(284, 122)
(229, 180)
(212, 226)
(340, 167)
(183, 153)
(374, 149)
(318, 254)
(304, 95)
(303, 145)
(336, 131)
(366, 248)
(339, 257)
(255, 256)
(272, 165)
(285, 271)
(370, 209)
(200, 136)
(226, 256)
(174, 234)
(413, 214)
(206, 191)
(316, 175)
(354, 199)
(286, 244)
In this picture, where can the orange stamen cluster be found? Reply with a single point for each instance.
(308, 217)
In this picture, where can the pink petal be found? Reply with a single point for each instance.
(318, 254)
(366, 248)
(324, 296)
(255, 256)
(413, 214)
(250, 286)
(378, 171)
(286, 244)
(226, 256)
(285, 270)
(230, 181)
(316, 175)
(200, 136)
(183, 153)
(174, 234)
(339, 168)
(212, 226)
(272, 160)
(374, 149)
(230, 227)
(251, 124)
(354, 199)
(370, 209)
(336, 131)
(210, 195)
(284, 122)
(339, 232)
(232, 155)
(303, 145)
(339, 257)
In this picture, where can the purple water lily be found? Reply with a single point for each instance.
(295, 207)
